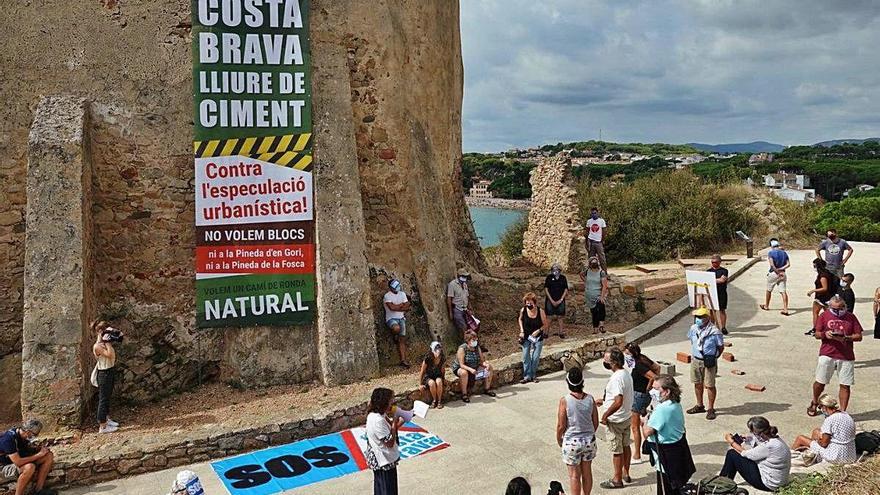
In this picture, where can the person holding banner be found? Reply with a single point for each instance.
(382, 453)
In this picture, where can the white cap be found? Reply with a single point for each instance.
(774, 243)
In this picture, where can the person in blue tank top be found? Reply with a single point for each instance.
(779, 262)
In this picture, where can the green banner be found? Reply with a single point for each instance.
(252, 148)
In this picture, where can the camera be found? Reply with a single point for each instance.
(111, 334)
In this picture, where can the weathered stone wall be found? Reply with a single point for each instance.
(132, 62)
(554, 234)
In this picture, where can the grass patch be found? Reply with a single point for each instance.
(852, 479)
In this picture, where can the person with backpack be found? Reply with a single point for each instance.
(577, 418)
(761, 458)
(665, 439)
(707, 343)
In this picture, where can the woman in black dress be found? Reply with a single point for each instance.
(432, 372)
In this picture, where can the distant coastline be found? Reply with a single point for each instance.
(509, 204)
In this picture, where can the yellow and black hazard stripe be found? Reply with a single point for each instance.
(253, 146)
(300, 161)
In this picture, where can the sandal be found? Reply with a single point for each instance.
(490, 393)
(535, 379)
(601, 328)
(785, 313)
(524, 381)
(710, 414)
(696, 409)
(610, 485)
(627, 479)
(813, 409)
(439, 405)
(466, 399)
(764, 307)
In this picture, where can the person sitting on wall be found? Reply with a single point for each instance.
(396, 304)
(431, 374)
(470, 366)
(19, 460)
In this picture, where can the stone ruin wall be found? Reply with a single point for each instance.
(132, 62)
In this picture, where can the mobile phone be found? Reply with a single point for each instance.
(738, 439)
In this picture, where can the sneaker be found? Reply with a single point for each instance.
(110, 422)
(811, 331)
(108, 429)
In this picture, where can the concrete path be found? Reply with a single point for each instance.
(494, 440)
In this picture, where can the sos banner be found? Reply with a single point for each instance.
(275, 470)
(254, 199)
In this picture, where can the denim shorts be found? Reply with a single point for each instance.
(398, 321)
(641, 401)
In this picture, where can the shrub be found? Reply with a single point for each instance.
(856, 219)
(512, 239)
(670, 214)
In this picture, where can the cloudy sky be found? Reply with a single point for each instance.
(713, 71)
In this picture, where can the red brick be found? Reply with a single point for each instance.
(728, 357)
(683, 357)
(387, 154)
(728, 344)
(755, 388)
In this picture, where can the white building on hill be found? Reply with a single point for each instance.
(480, 189)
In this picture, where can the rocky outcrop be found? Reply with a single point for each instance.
(555, 232)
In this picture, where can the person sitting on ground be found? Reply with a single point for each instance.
(105, 354)
(555, 292)
(839, 330)
(721, 275)
(846, 291)
(779, 262)
(762, 458)
(826, 286)
(470, 366)
(595, 293)
(643, 371)
(835, 441)
(616, 417)
(432, 372)
(518, 486)
(707, 344)
(396, 304)
(19, 460)
(532, 323)
(577, 418)
(665, 437)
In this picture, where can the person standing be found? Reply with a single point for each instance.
(837, 252)
(577, 418)
(707, 343)
(826, 286)
(105, 354)
(555, 292)
(595, 292)
(619, 399)
(458, 299)
(779, 263)
(596, 227)
(396, 304)
(532, 323)
(382, 452)
(721, 275)
(838, 329)
(846, 291)
(877, 313)
(762, 458)
(20, 462)
(665, 435)
(643, 371)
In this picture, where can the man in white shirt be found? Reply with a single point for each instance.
(596, 237)
(396, 305)
(618, 402)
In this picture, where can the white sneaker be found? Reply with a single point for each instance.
(110, 422)
(108, 429)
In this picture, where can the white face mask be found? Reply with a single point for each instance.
(629, 361)
(473, 343)
(437, 353)
(655, 395)
(843, 283)
(462, 279)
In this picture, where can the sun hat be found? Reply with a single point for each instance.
(463, 272)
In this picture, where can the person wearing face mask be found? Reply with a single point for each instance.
(762, 458)
(616, 416)
(595, 233)
(838, 329)
(595, 293)
(643, 371)
(846, 291)
(779, 263)
(19, 461)
(532, 323)
(383, 452)
(555, 292)
(458, 299)
(396, 304)
(837, 252)
(877, 313)
(470, 366)
(577, 418)
(707, 344)
(432, 372)
(665, 438)
(826, 286)
(834, 442)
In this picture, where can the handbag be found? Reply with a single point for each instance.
(94, 378)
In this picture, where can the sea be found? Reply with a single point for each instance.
(490, 223)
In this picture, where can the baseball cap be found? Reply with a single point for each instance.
(394, 284)
(774, 243)
(701, 311)
(435, 346)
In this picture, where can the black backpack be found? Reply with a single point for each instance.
(714, 485)
(868, 442)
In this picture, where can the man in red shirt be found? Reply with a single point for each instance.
(838, 329)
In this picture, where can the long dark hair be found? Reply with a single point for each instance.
(821, 268)
(380, 400)
(636, 352)
(759, 425)
(575, 380)
(429, 357)
(518, 486)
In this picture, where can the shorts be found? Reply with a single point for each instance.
(578, 450)
(398, 321)
(846, 373)
(554, 311)
(620, 436)
(838, 271)
(722, 300)
(700, 374)
(9, 472)
(641, 401)
(774, 280)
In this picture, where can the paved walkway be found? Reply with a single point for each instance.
(493, 440)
